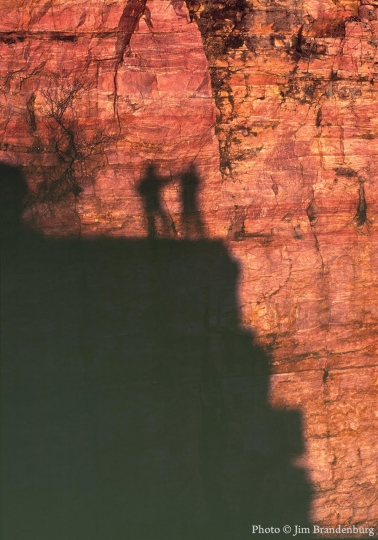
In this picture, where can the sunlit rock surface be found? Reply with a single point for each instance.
(85, 108)
(276, 106)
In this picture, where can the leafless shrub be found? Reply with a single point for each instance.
(70, 138)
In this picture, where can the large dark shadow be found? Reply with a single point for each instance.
(134, 406)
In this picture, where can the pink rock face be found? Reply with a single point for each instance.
(277, 109)
(297, 130)
(96, 108)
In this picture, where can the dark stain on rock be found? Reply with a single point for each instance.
(319, 117)
(345, 171)
(361, 214)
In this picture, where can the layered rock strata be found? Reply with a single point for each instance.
(296, 92)
(274, 104)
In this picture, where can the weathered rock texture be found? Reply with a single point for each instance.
(276, 105)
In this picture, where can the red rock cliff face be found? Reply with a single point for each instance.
(275, 103)
(296, 92)
(93, 93)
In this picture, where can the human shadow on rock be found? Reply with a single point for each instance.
(150, 190)
(134, 403)
(191, 215)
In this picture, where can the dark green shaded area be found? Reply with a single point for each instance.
(133, 403)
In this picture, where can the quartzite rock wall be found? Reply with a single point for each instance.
(276, 104)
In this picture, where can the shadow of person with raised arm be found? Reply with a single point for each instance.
(134, 405)
(150, 188)
(191, 217)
